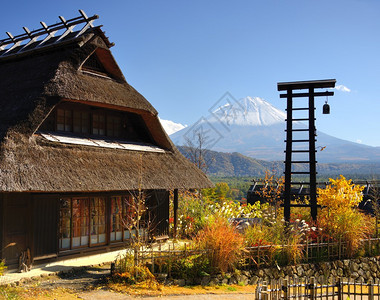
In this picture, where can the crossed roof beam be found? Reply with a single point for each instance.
(49, 32)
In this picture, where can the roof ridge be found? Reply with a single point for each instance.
(28, 40)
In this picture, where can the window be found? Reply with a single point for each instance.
(64, 119)
(113, 126)
(98, 124)
(81, 122)
(65, 224)
(80, 219)
(82, 222)
(98, 220)
(86, 121)
(116, 219)
(92, 64)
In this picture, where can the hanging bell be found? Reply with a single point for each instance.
(326, 109)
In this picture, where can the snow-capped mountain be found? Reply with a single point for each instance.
(248, 112)
(171, 127)
(255, 128)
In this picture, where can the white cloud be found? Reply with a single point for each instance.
(342, 88)
(359, 141)
(171, 127)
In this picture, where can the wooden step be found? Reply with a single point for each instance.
(299, 119)
(298, 130)
(299, 108)
(300, 151)
(301, 172)
(299, 141)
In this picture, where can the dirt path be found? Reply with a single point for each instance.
(98, 295)
(77, 280)
(90, 283)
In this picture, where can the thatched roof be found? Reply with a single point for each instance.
(33, 83)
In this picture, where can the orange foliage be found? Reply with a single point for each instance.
(223, 242)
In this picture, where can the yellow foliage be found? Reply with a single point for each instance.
(339, 218)
(341, 195)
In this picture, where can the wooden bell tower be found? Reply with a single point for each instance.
(304, 147)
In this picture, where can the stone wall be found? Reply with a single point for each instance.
(361, 269)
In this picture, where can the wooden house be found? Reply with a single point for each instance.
(76, 140)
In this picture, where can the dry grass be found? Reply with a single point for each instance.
(161, 290)
(36, 293)
(137, 290)
(224, 244)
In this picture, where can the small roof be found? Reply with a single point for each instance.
(300, 85)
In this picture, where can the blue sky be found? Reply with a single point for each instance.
(184, 55)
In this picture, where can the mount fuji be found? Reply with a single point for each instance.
(255, 128)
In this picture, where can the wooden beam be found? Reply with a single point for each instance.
(299, 85)
(300, 95)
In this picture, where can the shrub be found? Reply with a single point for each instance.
(223, 242)
(193, 266)
(192, 214)
(2, 267)
(350, 226)
(340, 218)
(293, 250)
(195, 212)
(341, 195)
(256, 235)
(127, 272)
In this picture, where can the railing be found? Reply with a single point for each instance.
(311, 288)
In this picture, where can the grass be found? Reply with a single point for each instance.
(137, 290)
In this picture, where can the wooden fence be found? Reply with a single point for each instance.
(310, 288)
(258, 256)
(321, 250)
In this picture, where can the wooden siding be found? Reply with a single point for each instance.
(158, 202)
(16, 226)
(45, 226)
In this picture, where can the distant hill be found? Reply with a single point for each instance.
(238, 165)
(255, 128)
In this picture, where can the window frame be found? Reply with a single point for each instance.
(97, 122)
(72, 229)
(126, 200)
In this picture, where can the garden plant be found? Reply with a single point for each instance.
(206, 221)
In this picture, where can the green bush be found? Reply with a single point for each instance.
(193, 266)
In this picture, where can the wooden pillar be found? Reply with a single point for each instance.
(312, 157)
(288, 156)
(175, 207)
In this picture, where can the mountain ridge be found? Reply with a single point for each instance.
(255, 128)
(238, 165)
